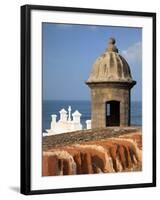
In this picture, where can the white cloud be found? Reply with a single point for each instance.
(134, 53)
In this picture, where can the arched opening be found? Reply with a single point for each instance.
(112, 113)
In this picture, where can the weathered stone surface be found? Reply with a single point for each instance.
(101, 95)
(110, 66)
(110, 80)
(53, 141)
(118, 153)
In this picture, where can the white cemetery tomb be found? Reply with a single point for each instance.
(66, 123)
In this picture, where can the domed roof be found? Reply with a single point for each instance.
(110, 67)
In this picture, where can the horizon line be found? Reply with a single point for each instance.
(76, 100)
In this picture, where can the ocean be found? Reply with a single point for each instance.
(50, 107)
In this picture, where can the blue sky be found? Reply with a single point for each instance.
(69, 51)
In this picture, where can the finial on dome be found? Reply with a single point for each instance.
(111, 45)
(112, 40)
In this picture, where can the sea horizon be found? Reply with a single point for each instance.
(79, 100)
(50, 107)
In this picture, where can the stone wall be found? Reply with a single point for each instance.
(100, 94)
(119, 153)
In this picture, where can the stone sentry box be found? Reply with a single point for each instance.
(110, 82)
